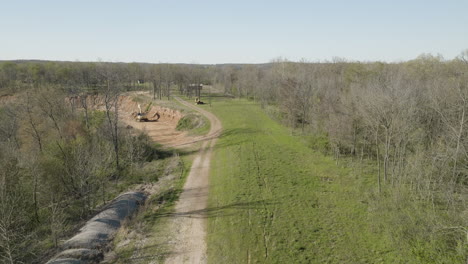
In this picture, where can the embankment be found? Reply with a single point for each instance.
(89, 244)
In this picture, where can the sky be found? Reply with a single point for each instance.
(234, 31)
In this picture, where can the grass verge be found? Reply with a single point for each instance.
(195, 123)
(274, 200)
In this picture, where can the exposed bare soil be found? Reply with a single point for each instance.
(162, 130)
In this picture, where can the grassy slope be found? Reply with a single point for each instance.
(273, 200)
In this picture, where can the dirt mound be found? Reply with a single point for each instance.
(127, 105)
(88, 245)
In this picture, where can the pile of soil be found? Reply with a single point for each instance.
(89, 244)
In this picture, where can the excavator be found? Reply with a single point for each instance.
(198, 102)
(143, 116)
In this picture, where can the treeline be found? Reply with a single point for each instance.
(17, 76)
(410, 119)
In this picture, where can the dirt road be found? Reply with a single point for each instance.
(188, 223)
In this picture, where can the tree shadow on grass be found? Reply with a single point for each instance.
(219, 211)
(223, 134)
(238, 131)
(235, 141)
(163, 153)
(205, 138)
(158, 253)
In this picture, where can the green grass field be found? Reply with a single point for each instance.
(274, 200)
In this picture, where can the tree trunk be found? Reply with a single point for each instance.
(455, 163)
(112, 101)
(116, 134)
(378, 159)
(35, 134)
(387, 146)
(84, 104)
(36, 214)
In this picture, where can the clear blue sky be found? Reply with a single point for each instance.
(232, 31)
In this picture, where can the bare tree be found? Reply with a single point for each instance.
(32, 121)
(111, 100)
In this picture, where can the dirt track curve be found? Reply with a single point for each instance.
(188, 222)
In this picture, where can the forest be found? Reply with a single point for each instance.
(61, 157)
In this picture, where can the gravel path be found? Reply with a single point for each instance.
(188, 221)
